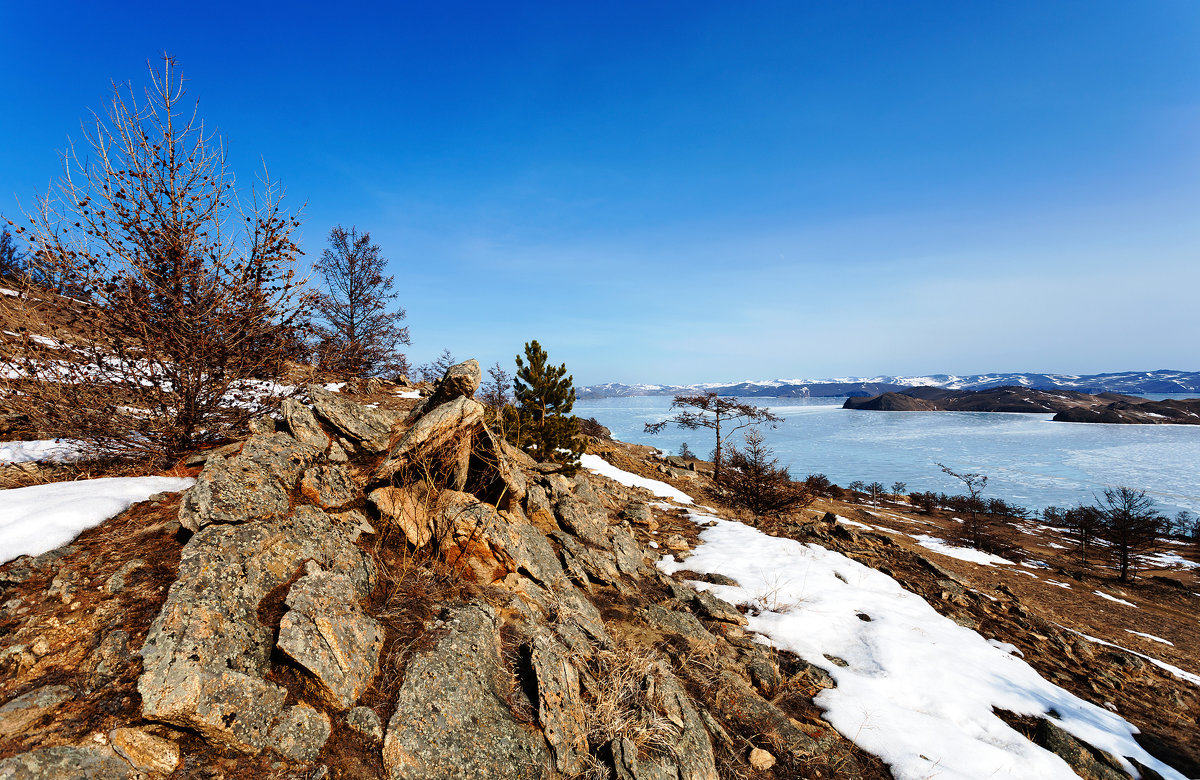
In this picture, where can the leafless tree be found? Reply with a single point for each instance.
(875, 490)
(183, 287)
(754, 480)
(723, 415)
(898, 488)
(975, 530)
(1084, 524)
(432, 372)
(497, 391)
(12, 265)
(357, 334)
(1130, 524)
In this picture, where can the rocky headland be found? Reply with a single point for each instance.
(1067, 406)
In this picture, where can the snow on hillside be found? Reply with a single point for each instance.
(40, 518)
(913, 687)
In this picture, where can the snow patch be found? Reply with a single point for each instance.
(40, 518)
(1114, 598)
(1151, 637)
(942, 547)
(600, 466)
(41, 450)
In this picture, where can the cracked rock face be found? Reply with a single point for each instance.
(450, 422)
(451, 718)
(206, 653)
(327, 633)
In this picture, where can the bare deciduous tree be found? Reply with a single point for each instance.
(432, 372)
(357, 334)
(497, 391)
(975, 530)
(723, 415)
(184, 288)
(1130, 524)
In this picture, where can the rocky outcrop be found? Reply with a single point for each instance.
(454, 421)
(452, 718)
(370, 428)
(207, 653)
(459, 381)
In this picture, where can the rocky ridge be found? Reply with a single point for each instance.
(358, 592)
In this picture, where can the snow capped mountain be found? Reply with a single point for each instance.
(1131, 382)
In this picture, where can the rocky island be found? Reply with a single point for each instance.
(1067, 406)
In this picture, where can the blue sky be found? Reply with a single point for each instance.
(694, 191)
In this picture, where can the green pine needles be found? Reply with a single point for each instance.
(541, 422)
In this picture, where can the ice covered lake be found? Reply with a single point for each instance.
(1028, 459)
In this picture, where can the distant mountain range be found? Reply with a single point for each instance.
(1130, 382)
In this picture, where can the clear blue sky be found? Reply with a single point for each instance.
(695, 191)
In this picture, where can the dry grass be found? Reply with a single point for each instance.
(623, 692)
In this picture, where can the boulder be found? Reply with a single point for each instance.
(493, 543)
(761, 760)
(232, 491)
(27, 710)
(451, 716)
(453, 421)
(280, 455)
(587, 521)
(560, 704)
(329, 487)
(409, 509)
(370, 427)
(459, 381)
(66, 762)
(301, 733)
(327, 633)
(1085, 760)
(145, 751)
(303, 424)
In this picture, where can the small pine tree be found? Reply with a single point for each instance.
(754, 480)
(541, 422)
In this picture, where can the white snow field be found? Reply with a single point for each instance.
(913, 687)
(40, 518)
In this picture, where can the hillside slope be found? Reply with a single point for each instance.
(382, 588)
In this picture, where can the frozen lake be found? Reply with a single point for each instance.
(1029, 459)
